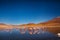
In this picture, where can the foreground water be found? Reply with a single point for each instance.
(27, 35)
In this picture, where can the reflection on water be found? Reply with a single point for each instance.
(35, 30)
(27, 34)
(23, 30)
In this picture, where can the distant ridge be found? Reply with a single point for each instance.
(2, 24)
(53, 22)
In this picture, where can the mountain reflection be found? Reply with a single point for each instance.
(22, 30)
(30, 30)
(33, 30)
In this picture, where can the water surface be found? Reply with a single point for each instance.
(17, 34)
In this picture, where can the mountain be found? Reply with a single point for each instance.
(5, 26)
(53, 25)
(28, 25)
(54, 22)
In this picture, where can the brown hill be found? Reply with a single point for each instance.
(5, 26)
(54, 22)
(53, 25)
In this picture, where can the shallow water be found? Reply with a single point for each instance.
(16, 34)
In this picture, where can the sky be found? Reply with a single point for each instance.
(28, 11)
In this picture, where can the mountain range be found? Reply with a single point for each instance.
(50, 25)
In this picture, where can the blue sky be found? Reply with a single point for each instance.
(28, 11)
